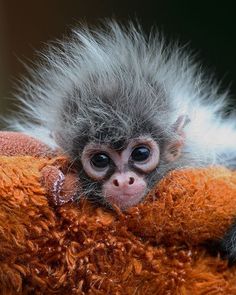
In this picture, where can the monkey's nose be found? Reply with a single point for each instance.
(122, 181)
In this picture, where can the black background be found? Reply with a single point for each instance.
(208, 29)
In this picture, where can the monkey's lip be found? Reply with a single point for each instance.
(126, 200)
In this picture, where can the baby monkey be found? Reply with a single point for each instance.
(127, 108)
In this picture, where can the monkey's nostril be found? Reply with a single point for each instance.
(131, 180)
(115, 182)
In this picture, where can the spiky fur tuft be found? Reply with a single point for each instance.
(119, 80)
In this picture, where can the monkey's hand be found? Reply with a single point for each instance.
(61, 187)
(60, 182)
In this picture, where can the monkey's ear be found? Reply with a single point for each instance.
(180, 123)
(174, 148)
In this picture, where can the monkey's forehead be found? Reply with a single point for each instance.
(119, 145)
(118, 141)
(115, 141)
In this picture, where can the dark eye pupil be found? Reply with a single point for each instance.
(140, 154)
(100, 160)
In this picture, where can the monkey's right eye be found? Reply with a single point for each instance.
(100, 160)
(140, 154)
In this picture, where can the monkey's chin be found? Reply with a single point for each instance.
(125, 201)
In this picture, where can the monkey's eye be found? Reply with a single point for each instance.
(140, 154)
(100, 160)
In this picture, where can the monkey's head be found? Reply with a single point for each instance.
(120, 155)
(123, 134)
(111, 100)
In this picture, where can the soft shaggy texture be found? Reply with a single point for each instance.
(157, 247)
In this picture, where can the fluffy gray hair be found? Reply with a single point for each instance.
(118, 79)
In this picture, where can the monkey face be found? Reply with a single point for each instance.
(122, 172)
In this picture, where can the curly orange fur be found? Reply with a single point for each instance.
(78, 248)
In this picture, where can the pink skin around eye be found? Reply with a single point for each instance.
(124, 188)
(153, 160)
(90, 150)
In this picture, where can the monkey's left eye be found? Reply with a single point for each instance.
(140, 154)
(100, 160)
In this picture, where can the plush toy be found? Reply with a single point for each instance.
(52, 244)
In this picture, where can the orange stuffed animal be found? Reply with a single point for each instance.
(75, 247)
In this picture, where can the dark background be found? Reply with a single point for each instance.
(26, 25)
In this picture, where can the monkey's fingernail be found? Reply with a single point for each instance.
(69, 188)
(52, 180)
(60, 188)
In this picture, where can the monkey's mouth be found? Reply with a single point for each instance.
(124, 201)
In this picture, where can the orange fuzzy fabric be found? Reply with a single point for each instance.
(79, 248)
